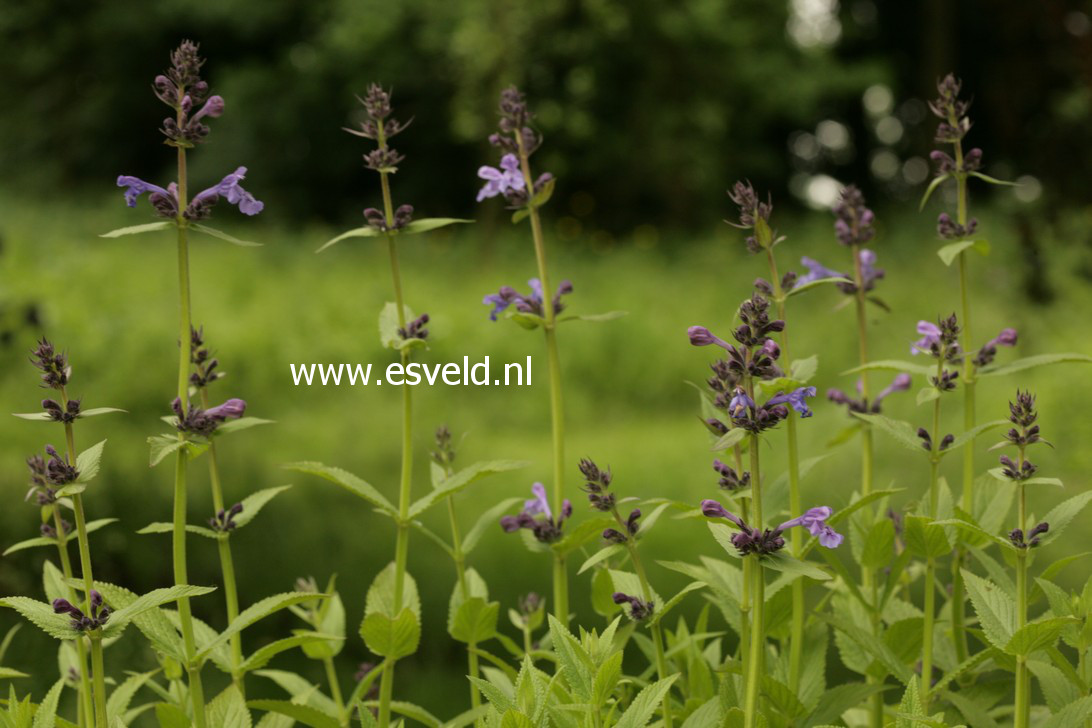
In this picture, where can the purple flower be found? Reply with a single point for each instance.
(815, 520)
(713, 509)
(816, 271)
(1007, 337)
(900, 383)
(796, 399)
(740, 403)
(135, 187)
(537, 517)
(853, 223)
(231, 409)
(533, 303)
(930, 337)
(701, 336)
(230, 188)
(501, 181)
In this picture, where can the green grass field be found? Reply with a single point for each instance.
(113, 305)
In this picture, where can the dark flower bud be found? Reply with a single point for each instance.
(614, 536)
(631, 522)
(946, 441)
(763, 286)
(639, 610)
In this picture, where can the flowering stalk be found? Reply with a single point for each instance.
(515, 181)
(758, 596)
(444, 456)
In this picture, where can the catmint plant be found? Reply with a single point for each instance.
(754, 217)
(749, 370)
(56, 484)
(184, 91)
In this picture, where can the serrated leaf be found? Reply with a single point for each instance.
(255, 612)
(381, 597)
(926, 539)
(475, 620)
(995, 609)
(392, 638)
(138, 229)
(164, 527)
(1071, 715)
(662, 611)
(1037, 635)
(253, 503)
(894, 365)
(792, 566)
(581, 535)
(155, 598)
(261, 657)
(348, 481)
(304, 714)
(640, 711)
(879, 544)
(41, 616)
(389, 325)
(213, 232)
(970, 435)
(601, 555)
(452, 485)
(87, 462)
(1061, 515)
(900, 431)
(122, 695)
(489, 519)
(95, 411)
(868, 642)
(729, 439)
(161, 447)
(46, 714)
(228, 710)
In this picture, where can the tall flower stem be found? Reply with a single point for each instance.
(745, 595)
(959, 633)
(227, 564)
(1022, 707)
(178, 536)
(796, 631)
(869, 582)
(99, 670)
(553, 365)
(86, 709)
(758, 630)
(930, 562)
(335, 690)
(655, 630)
(401, 547)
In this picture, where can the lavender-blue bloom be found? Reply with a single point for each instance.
(930, 337)
(740, 403)
(135, 187)
(701, 336)
(815, 520)
(797, 399)
(230, 188)
(539, 503)
(538, 517)
(508, 296)
(816, 271)
(900, 383)
(500, 181)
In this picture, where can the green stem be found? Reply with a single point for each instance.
(654, 629)
(86, 709)
(99, 671)
(868, 578)
(1023, 688)
(754, 661)
(178, 540)
(553, 364)
(401, 547)
(796, 630)
(464, 589)
(227, 563)
(335, 690)
(927, 631)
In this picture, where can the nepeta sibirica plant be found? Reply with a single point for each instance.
(517, 140)
(749, 374)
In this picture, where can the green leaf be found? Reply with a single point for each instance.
(253, 503)
(87, 462)
(165, 527)
(802, 370)
(795, 290)
(452, 485)
(993, 180)
(601, 555)
(893, 365)
(261, 657)
(593, 317)
(362, 232)
(1031, 362)
(902, 432)
(164, 445)
(792, 566)
(644, 705)
(304, 714)
(970, 435)
(255, 612)
(41, 616)
(1058, 690)
(46, 714)
(427, 224)
(870, 644)
(926, 539)
(155, 598)
(973, 528)
(138, 229)
(228, 710)
(1037, 635)
(1071, 715)
(36, 416)
(661, 611)
(528, 321)
(169, 715)
(937, 181)
(389, 325)
(213, 232)
(348, 481)
(392, 638)
(122, 695)
(7, 673)
(1061, 515)
(995, 609)
(952, 250)
(475, 620)
(926, 395)
(879, 544)
(243, 423)
(487, 520)
(729, 439)
(95, 411)
(381, 598)
(584, 533)
(154, 624)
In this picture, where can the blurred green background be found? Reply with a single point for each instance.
(650, 110)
